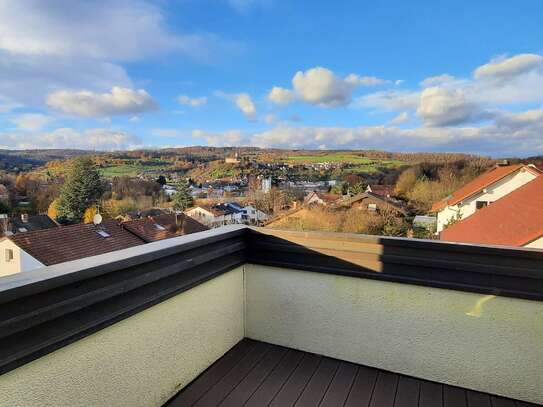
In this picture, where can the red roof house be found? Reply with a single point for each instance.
(514, 220)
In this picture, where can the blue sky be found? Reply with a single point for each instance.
(394, 75)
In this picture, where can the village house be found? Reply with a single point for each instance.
(319, 198)
(482, 191)
(164, 226)
(514, 220)
(373, 203)
(212, 215)
(386, 191)
(23, 252)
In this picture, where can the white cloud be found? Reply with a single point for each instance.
(242, 101)
(46, 46)
(271, 119)
(390, 100)
(122, 30)
(357, 80)
(320, 86)
(31, 121)
(281, 96)
(400, 119)
(444, 107)
(437, 80)
(508, 68)
(194, 102)
(245, 104)
(89, 104)
(521, 137)
(221, 139)
(92, 139)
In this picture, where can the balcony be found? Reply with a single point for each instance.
(247, 316)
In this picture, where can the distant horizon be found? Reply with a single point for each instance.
(358, 150)
(407, 76)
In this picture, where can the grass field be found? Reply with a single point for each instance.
(131, 168)
(330, 158)
(359, 163)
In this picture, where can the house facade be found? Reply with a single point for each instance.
(15, 260)
(481, 192)
(515, 220)
(319, 198)
(213, 216)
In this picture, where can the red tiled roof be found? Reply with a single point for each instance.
(161, 227)
(327, 198)
(383, 190)
(488, 178)
(67, 243)
(514, 220)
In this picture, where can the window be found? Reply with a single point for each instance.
(9, 255)
(103, 233)
(372, 207)
(481, 204)
(159, 227)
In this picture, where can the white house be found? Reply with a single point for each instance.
(482, 191)
(254, 216)
(213, 216)
(14, 260)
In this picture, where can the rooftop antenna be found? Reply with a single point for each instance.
(97, 219)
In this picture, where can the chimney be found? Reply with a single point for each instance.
(24, 217)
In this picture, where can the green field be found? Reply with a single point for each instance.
(331, 158)
(131, 168)
(358, 164)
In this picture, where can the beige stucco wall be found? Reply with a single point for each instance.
(22, 261)
(492, 344)
(140, 361)
(536, 244)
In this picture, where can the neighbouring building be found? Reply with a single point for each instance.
(373, 203)
(32, 250)
(212, 215)
(319, 198)
(155, 228)
(386, 191)
(31, 223)
(227, 213)
(482, 191)
(266, 185)
(514, 220)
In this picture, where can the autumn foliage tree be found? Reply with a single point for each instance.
(82, 189)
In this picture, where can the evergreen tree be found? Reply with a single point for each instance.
(82, 189)
(161, 180)
(182, 198)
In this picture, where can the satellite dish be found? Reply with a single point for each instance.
(97, 219)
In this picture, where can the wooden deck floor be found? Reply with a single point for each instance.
(258, 374)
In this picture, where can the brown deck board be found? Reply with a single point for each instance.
(190, 394)
(292, 389)
(222, 388)
(258, 374)
(339, 389)
(454, 397)
(244, 390)
(318, 384)
(431, 394)
(362, 389)
(502, 402)
(476, 399)
(385, 390)
(275, 381)
(408, 392)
